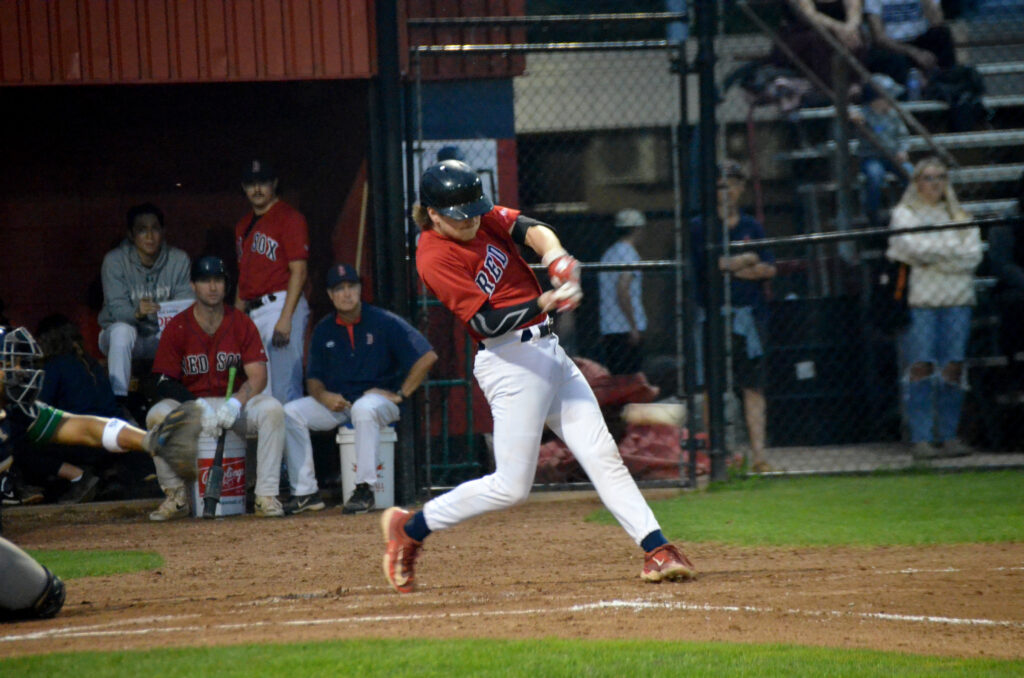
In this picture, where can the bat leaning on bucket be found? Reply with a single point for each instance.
(215, 480)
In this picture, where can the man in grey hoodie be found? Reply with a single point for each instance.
(137, 275)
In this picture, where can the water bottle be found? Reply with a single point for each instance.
(913, 84)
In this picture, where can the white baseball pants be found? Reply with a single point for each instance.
(121, 342)
(366, 415)
(284, 368)
(261, 415)
(530, 384)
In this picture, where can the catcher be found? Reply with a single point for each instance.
(27, 589)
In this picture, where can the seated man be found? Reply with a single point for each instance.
(363, 363)
(139, 274)
(197, 348)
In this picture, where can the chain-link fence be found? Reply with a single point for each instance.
(590, 137)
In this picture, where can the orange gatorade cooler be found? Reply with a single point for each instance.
(232, 493)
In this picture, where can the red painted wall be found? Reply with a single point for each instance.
(48, 42)
(76, 158)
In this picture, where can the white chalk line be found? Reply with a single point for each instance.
(97, 631)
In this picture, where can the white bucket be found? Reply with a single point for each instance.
(384, 487)
(232, 492)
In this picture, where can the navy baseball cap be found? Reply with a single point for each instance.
(257, 170)
(340, 273)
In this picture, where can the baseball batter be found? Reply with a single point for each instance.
(468, 257)
(27, 589)
(196, 350)
(272, 244)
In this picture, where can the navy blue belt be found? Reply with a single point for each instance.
(527, 334)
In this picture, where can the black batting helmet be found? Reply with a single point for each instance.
(208, 266)
(452, 188)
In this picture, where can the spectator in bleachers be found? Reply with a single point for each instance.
(908, 34)
(1006, 254)
(842, 18)
(879, 117)
(941, 299)
(623, 321)
(747, 272)
(912, 45)
(137, 275)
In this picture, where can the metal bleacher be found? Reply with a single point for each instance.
(989, 160)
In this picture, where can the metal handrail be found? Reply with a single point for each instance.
(540, 20)
(617, 45)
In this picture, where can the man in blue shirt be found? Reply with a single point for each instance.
(364, 362)
(747, 272)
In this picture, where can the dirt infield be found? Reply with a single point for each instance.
(538, 570)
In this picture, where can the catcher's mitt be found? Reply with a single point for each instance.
(176, 439)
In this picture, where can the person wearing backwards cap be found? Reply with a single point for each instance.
(272, 244)
(364, 362)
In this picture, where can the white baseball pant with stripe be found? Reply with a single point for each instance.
(366, 415)
(530, 384)
(262, 415)
(284, 365)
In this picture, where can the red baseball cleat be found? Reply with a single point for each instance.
(667, 562)
(400, 556)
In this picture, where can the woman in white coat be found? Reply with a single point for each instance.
(941, 299)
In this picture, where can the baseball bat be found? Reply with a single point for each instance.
(211, 497)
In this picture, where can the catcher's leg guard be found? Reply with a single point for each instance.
(27, 589)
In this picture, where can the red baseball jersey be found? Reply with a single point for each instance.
(464, 275)
(278, 237)
(200, 361)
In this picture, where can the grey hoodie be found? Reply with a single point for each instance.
(126, 281)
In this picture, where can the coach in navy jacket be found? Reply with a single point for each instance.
(364, 362)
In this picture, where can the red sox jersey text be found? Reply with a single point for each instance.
(278, 237)
(200, 361)
(488, 268)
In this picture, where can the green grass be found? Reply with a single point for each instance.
(893, 509)
(482, 659)
(74, 564)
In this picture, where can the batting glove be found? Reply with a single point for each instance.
(562, 267)
(208, 419)
(228, 413)
(569, 296)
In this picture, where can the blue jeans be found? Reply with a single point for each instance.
(937, 336)
(874, 178)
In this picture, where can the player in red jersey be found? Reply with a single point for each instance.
(272, 244)
(468, 257)
(196, 350)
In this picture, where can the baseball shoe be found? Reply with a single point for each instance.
(361, 500)
(268, 507)
(82, 490)
(667, 562)
(173, 507)
(304, 502)
(8, 495)
(400, 556)
(14, 492)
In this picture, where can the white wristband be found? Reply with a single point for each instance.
(552, 254)
(110, 433)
